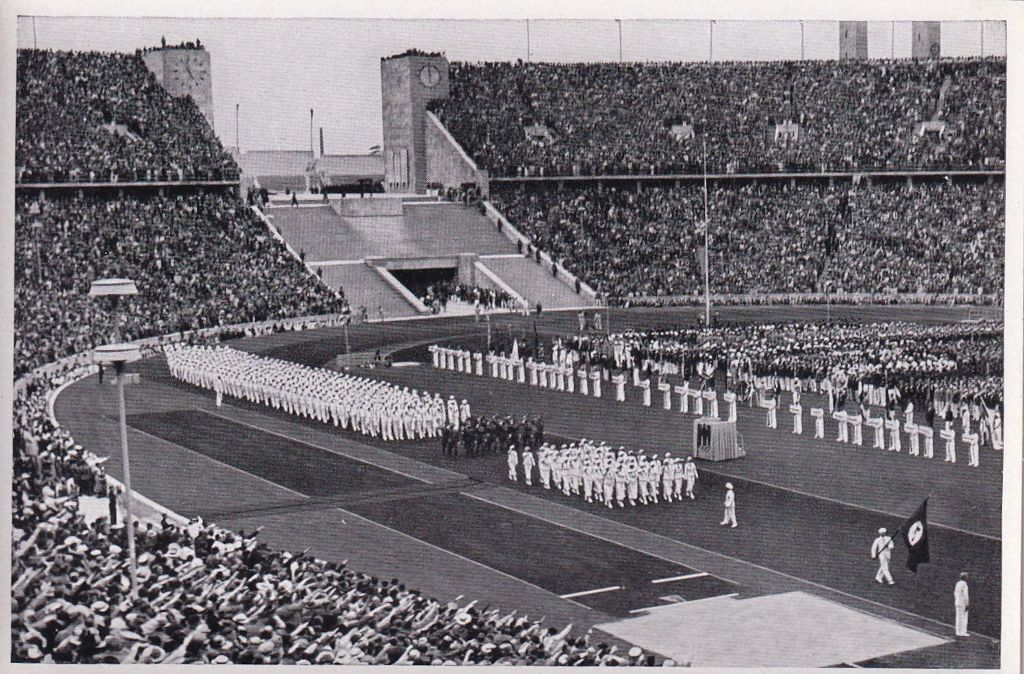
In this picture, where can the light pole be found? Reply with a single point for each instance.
(711, 42)
(119, 355)
(801, 40)
(36, 226)
(619, 21)
(527, 40)
(892, 41)
(348, 351)
(238, 148)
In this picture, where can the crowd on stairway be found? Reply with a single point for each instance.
(198, 260)
(547, 119)
(768, 237)
(100, 117)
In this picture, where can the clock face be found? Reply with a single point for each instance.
(429, 76)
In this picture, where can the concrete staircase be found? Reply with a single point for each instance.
(364, 286)
(533, 282)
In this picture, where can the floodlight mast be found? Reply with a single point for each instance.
(119, 355)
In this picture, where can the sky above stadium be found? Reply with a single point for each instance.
(275, 70)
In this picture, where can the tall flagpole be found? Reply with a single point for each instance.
(707, 224)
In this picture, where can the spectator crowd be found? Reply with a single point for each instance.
(198, 260)
(102, 117)
(771, 237)
(550, 119)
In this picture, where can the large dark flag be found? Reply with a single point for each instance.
(915, 535)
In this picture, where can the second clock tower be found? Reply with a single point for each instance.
(184, 71)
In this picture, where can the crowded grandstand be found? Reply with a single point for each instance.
(212, 268)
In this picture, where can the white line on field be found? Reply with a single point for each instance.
(610, 588)
(686, 577)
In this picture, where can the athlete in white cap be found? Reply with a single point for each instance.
(730, 506)
(881, 550)
(690, 473)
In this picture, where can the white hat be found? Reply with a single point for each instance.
(728, 485)
(882, 530)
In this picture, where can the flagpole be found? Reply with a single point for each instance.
(707, 268)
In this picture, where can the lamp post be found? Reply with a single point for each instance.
(711, 41)
(801, 40)
(619, 21)
(119, 355)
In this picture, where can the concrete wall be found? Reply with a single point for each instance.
(447, 162)
(363, 208)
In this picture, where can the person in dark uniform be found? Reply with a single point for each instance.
(112, 504)
(446, 439)
(524, 435)
(469, 438)
(929, 414)
(538, 432)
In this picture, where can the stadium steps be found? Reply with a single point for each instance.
(365, 287)
(532, 282)
(464, 227)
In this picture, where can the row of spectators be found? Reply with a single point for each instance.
(549, 119)
(198, 260)
(102, 117)
(937, 236)
(208, 595)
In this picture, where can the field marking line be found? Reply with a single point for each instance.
(584, 593)
(218, 461)
(688, 576)
(320, 447)
(682, 603)
(736, 560)
(455, 554)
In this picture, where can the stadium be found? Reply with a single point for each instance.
(629, 363)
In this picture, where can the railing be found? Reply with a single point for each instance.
(988, 299)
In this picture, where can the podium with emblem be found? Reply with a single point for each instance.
(716, 440)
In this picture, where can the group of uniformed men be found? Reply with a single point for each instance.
(368, 406)
(600, 473)
(479, 436)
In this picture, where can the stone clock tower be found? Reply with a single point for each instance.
(408, 82)
(183, 71)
